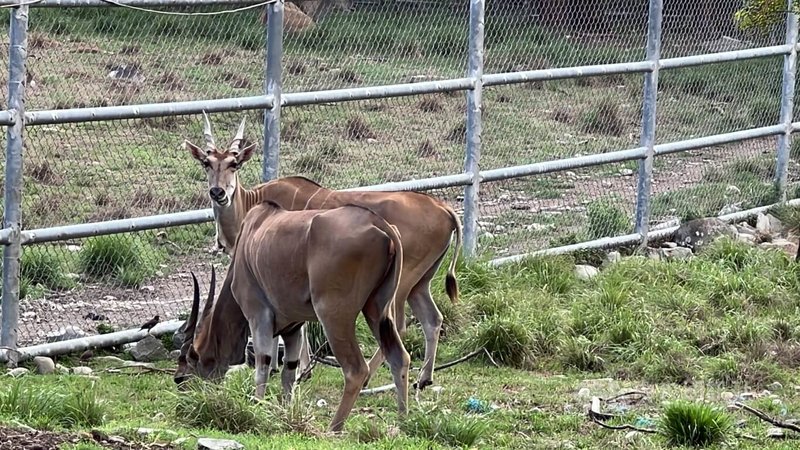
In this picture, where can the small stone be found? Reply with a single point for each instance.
(776, 386)
(126, 363)
(44, 365)
(149, 349)
(180, 441)
(109, 359)
(584, 393)
(61, 369)
(631, 435)
(218, 444)
(18, 372)
(780, 244)
(174, 354)
(584, 272)
(626, 172)
(82, 370)
(487, 235)
(65, 334)
(727, 396)
(669, 245)
(677, 253)
(776, 433)
(698, 233)
(321, 403)
(611, 258)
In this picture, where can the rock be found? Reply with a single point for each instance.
(65, 334)
(18, 372)
(137, 364)
(180, 441)
(44, 365)
(768, 225)
(727, 396)
(776, 386)
(748, 238)
(584, 272)
(653, 253)
(81, 370)
(584, 393)
(177, 338)
(730, 209)
(780, 244)
(149, 349)
(321, 403)
(174, 354)
(696, 234)
(776, 433)
(668, 245)
(61, 369)
(109, 359)
(611, 258)
(677, 253)
(217, 444)
(632, 435)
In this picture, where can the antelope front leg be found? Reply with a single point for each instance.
(262, 330)
(305, 356)
(273, 365)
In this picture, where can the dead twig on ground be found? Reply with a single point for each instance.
(141, 369)
(597, 416)
(766, 418)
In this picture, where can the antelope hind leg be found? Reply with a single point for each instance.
(342, 339)
(291, 354)
(430, 318)
(262, 331)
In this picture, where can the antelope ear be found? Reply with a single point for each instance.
(245, 153)
(196, 152)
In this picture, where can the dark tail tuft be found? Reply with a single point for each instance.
(451, 286)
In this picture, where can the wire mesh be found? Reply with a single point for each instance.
(706, 26)
(98, 171)
(374, 43)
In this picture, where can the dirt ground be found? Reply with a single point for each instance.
(27, 439)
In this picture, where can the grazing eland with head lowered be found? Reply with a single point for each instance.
(426, 226)
(291, 267)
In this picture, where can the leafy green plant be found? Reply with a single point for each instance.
(127, 258)
(694, 424)
(605, 218)
(448, 429)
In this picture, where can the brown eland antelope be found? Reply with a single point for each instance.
(426, 226)
(291, 267)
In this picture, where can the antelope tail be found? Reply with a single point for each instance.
(450, 282)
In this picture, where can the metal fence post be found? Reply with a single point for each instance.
(272, 86)
(648, 138)
(18, 52)
(787, 104)
(474, 103)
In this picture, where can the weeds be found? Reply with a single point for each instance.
(449, 429)
(125, 257)
(41, 265)
(225, 407)
(508, 341)
(51, 408)
(604, 117)
(695, 424)
(605, 218)
(357, 128)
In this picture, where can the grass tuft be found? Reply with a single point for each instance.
(606, 218)
(450, 430)
(357, 128)
(226, 407)
(694, 424)
(127, 258)
(507, 340)
(41, 265)
(604, 117)
(52, 408)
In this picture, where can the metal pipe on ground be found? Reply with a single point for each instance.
(85, 343)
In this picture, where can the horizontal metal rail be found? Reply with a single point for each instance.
(5, 235)
(95, 341)
(715, 58)
(423, 184)
(718, 139)
(628, 239)
(496, 79)
(148, 3)
(116, 226)
(8, 117)
(387, 91)
(562, 164)
(56, 116)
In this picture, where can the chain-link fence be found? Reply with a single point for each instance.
(97, 171)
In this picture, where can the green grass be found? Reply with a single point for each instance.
(681, 330)
(126, 258)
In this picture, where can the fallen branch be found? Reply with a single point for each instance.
(597, 416)
(625, 394)
(766, 418)
(142, 369)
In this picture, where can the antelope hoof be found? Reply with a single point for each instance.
(422, 384)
